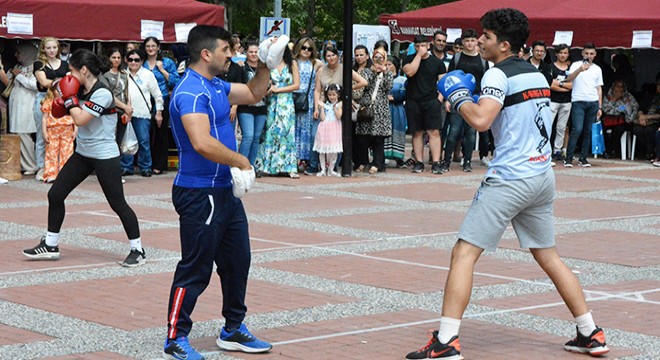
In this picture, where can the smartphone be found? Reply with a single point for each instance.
(586, 61)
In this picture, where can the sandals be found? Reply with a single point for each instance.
(294, 175)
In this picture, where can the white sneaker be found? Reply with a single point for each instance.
(484, 161)
(320, 173)
(3, 181)
(40, 175)
(334, 173)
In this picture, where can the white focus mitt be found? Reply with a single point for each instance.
(276, 52)
(241, 180)
(263, 49)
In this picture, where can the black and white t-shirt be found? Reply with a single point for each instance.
(96, 139)
(560, 75)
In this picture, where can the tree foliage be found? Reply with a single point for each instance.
(323, 19)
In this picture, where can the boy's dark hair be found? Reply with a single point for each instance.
(469, 34)
(420, 39)
(560, 47)
(538, 43)
(509, 25)
(590, 46)
(205, 37)
(439, 32)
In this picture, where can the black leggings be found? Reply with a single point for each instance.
(108, 172)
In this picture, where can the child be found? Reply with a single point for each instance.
(59, 134)
(328, 140)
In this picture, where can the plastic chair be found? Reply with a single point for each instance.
(628, 142)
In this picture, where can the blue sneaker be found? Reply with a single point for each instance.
(241, 340)
(180, 349)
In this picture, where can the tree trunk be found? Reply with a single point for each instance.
(311, 15)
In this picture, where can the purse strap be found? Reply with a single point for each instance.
(141, 93)
(309, 85)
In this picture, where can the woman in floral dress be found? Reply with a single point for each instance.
(277, 153)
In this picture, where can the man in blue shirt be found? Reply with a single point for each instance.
(213, 223)
(519, 187)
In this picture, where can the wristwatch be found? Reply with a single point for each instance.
(561, 84)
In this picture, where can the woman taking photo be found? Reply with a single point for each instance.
(251, 118)
(142, 86)
(308, 65)
(117, 81)
(167, 76)
(96, 151)
(47, 69)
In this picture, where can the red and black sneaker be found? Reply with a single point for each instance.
(593, 344)
(434, 349)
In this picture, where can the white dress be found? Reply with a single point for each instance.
(21, 102)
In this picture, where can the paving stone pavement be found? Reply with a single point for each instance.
(347, 268)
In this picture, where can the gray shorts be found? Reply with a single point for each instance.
(526, 203)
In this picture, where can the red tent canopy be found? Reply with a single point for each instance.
(607, 23)
(106, 20)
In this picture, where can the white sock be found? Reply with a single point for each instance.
(448, 328)
(585, 324)
(136, 244)
(52, 239)
(332, 159)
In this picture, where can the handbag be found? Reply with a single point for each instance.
(613, 120)
(300, 102)
(366, 113)
(597, 138)
(129, 143)
(10, 86)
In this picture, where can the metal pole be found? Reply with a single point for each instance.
(278, 9)
(347, 124)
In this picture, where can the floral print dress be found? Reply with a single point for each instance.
(277, 153)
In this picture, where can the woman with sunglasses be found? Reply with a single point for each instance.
(308, 65)
(142, 86)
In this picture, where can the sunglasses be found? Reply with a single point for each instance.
(130, 60)
(306, 48)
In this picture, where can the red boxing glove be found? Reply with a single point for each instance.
(68, 87)
(58, 109)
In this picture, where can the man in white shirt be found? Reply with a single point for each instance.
(586, 103)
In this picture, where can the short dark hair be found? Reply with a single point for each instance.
(420, 39)
(509, 25)
(590, 46)
(439, 32)
(469, 34)
(538, 43)
(205, 37)
(382, 44)
(560, 47)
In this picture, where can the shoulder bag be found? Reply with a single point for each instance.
(366, 113)
(300, 100)
(141, 93)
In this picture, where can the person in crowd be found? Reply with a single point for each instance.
(164, 69)
(371, 134)
(423, 108)
(91, 105)
(20, 106)
(519, 186)
(277, 153)
(647, 126)
(131, 46)
(330, 73)
(362, 64)
(116, 79)
(65, 51)
(252, 117)
(210, 234)
(308, 65)
(237, 50)
(142, 87)
(619, 113)
(59, 133)
(560, 99)
(47, 69)
(587, 103)
(395, 145)
(540, 59)
(328, 140)
(439, 46)
(470, 62)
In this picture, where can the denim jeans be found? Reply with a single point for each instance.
(314, 157)
(141, 127)
(459, 128)
(38, 118)
(251, 127)
(583, 115)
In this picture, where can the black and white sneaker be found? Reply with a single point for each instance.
(134, 258)
(43, 251)
(467, 166)
(583, 162)
(419, 167)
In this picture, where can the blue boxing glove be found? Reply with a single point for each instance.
(457, 88)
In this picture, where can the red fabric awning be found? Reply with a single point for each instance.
(107, 20)
(607, 23)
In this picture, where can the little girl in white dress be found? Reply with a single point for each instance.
(328, 141)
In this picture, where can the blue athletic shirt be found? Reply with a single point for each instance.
(196, 94)
(523, 126)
